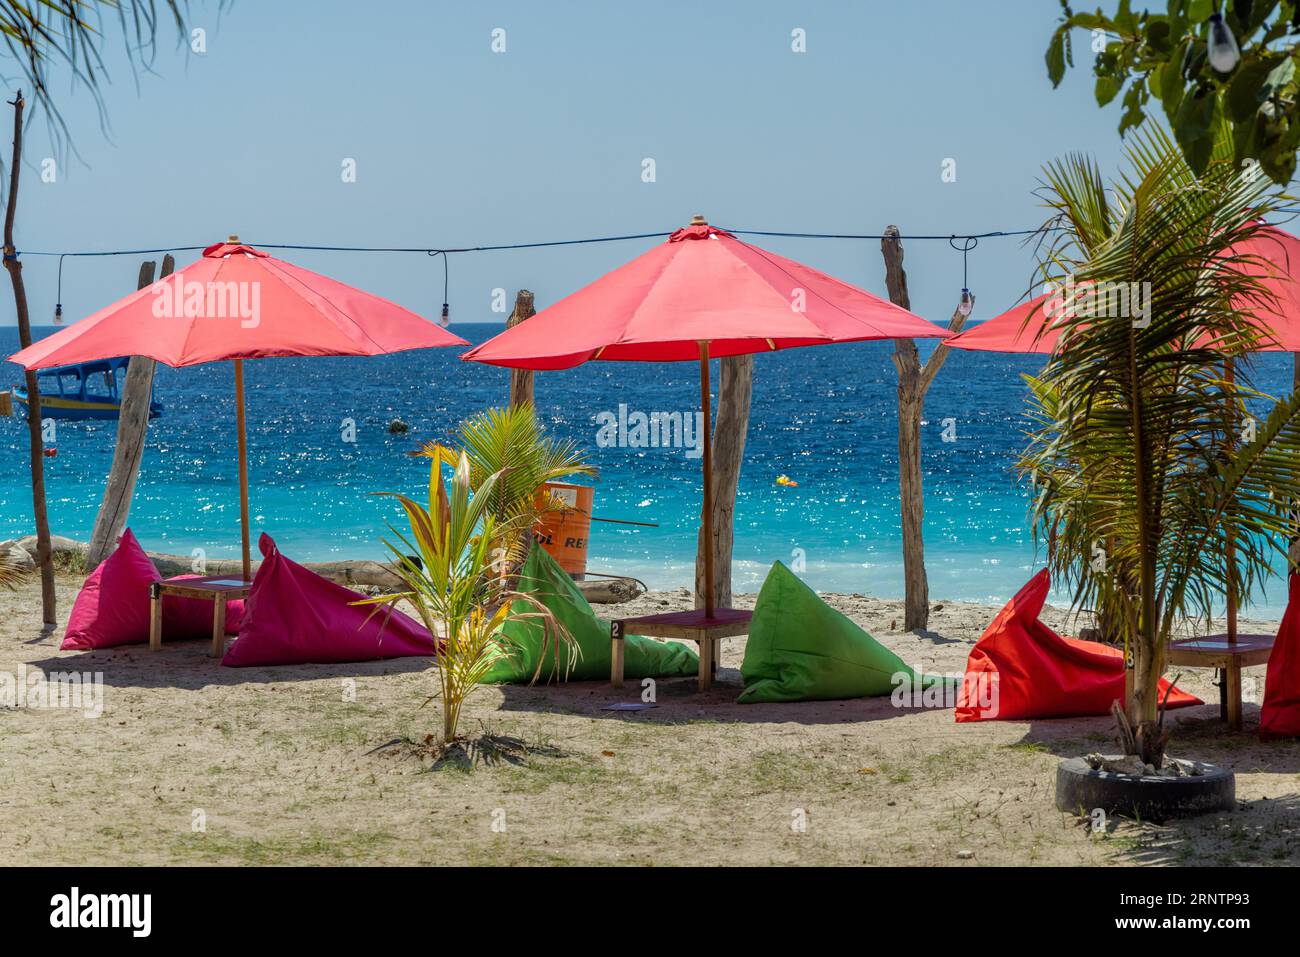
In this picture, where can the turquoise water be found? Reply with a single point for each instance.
(823, 416)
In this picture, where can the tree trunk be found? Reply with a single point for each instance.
(1144, 704)
(913, 381)
(44, 553)
(521, 380)
(132, 429)
(729, 431)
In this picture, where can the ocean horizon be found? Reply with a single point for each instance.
(825, 417)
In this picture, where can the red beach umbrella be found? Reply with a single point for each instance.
(1029, 327)
(702, 294)
(237, 303)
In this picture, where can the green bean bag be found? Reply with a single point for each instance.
(801, 649)
(523, 640)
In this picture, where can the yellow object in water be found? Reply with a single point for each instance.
(786, 480)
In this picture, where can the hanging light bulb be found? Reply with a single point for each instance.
(445, 319)
(967, 244)
(58, 296)
(1224, 54)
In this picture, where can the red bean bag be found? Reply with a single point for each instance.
(112, 607)
(294, 616)
(1279, 715)
(1022, 669)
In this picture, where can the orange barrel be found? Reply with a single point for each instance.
(564, 532)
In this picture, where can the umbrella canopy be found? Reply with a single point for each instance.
(702, 294)
(237, 303)
(1030, 326)
(702, 285)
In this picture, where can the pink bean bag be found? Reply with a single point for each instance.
(1021, 669)
(112, 607)
(294, 616)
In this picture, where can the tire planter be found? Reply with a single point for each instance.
(1080, 789)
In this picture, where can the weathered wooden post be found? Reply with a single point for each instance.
(913, 381)
(44, 553)
(521, 380)
(730, 429)
(132, 429)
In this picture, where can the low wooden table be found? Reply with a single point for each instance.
(689, 625)
(216, 589)
(1216, 651)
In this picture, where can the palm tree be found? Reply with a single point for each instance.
(1145, 478)
(450, 576)
(11, 573)
(510, 443)
(71, 34)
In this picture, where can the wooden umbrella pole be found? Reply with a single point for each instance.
(243, 466)
(1230, 545)
(708, 480)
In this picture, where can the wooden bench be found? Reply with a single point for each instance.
(687, 625)
(1217, 651)
(213, 588)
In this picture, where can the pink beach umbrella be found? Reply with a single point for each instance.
(702, 294)
(237, 303)
(1030, 327)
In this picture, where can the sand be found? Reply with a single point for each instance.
(192, 763)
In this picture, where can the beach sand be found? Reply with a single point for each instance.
(278, 767)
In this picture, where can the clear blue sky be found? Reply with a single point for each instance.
(456, 145)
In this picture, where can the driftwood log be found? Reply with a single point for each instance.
(913, 381)
(353, 573)
(132, 430)
(730, 428)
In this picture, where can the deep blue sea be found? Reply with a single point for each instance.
(824, 416)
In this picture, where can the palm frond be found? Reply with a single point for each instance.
(1141, 481)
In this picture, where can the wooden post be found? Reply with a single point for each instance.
(521, 380)
(730, 429)
(1230, 537)
(132, 430)
(155, 616)
(707, 514)
(218, 625)
(44, 553)
(913, 381)
(241, 428)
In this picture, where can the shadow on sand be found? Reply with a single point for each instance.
(679, 701)
(188, 665)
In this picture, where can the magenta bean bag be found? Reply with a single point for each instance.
(294, 616)
(112, 607)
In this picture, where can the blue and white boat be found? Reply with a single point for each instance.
(88, 390)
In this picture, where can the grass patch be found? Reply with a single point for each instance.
(1026, 747)
(786, 771)
(334, 848)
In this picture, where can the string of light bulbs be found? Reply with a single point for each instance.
(968, 242)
